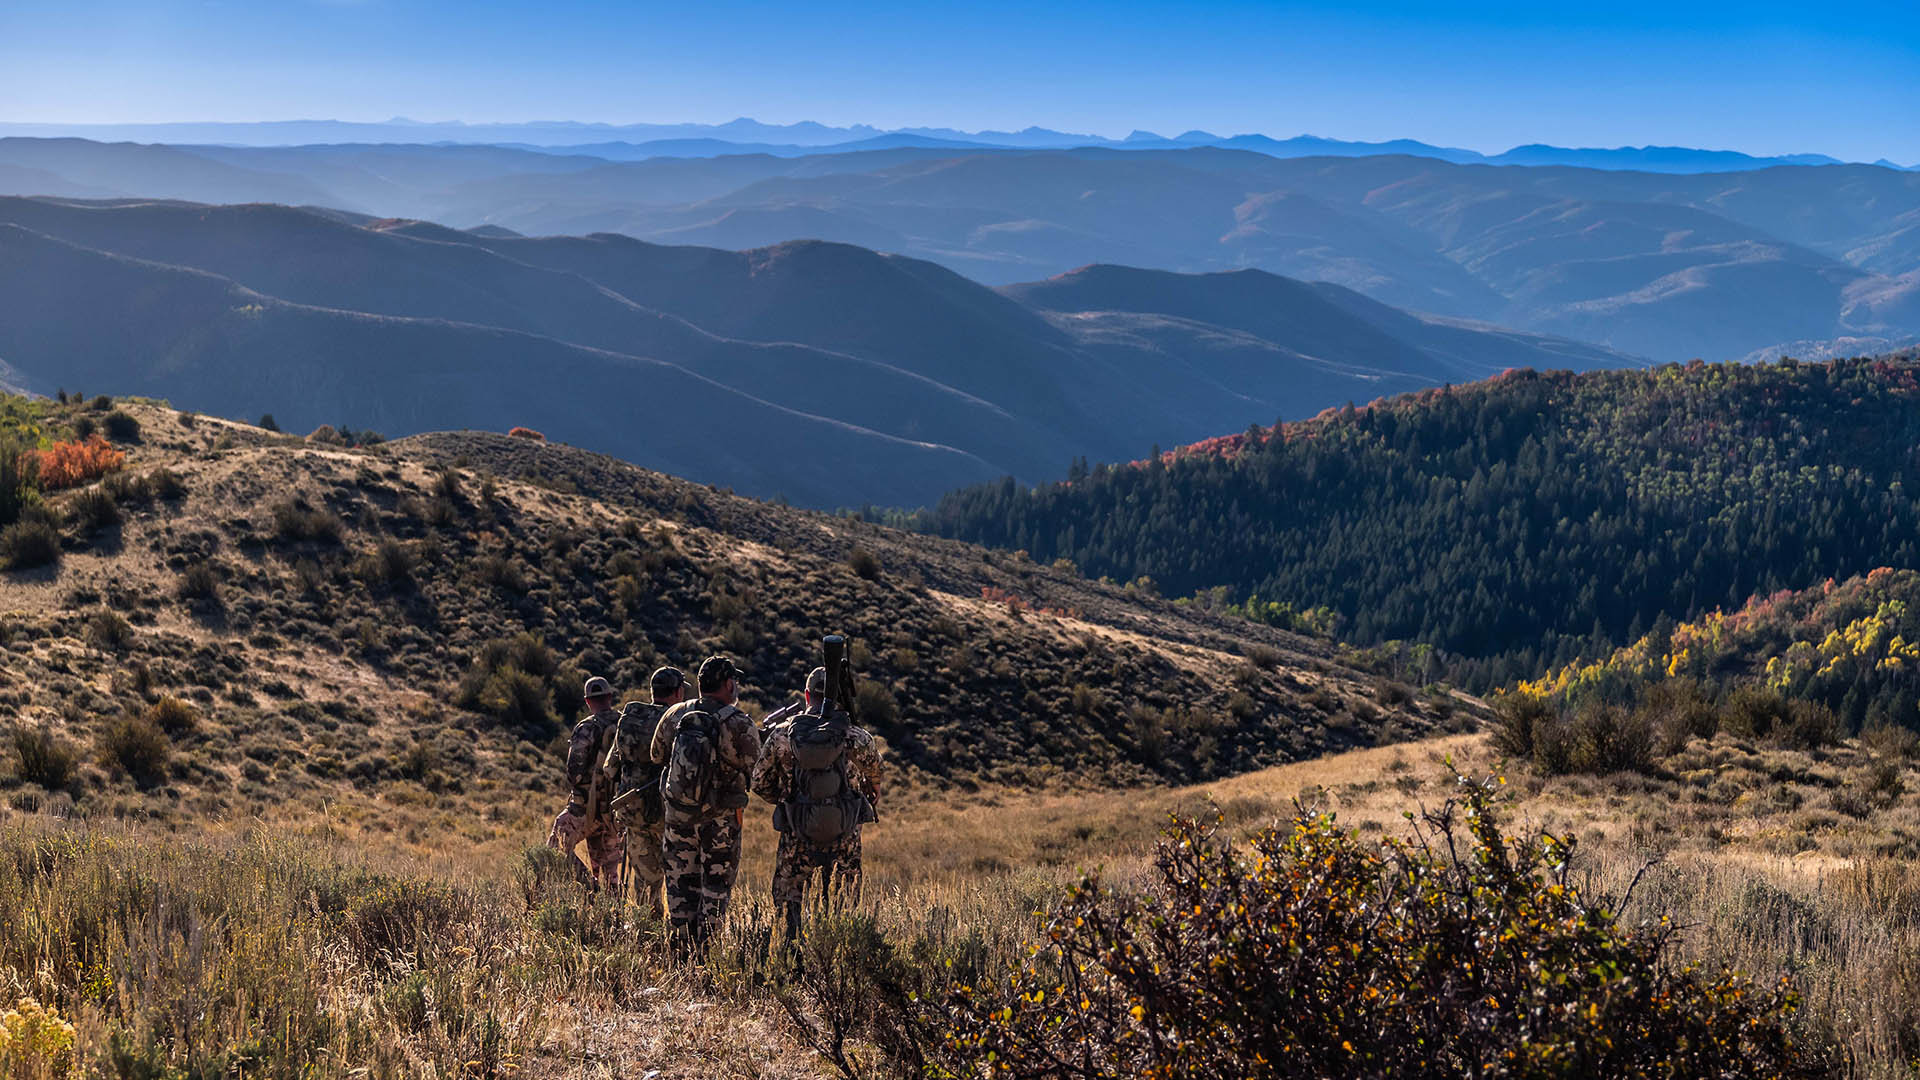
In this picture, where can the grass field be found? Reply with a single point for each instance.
(318, 945)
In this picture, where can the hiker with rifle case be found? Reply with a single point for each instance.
(822, 775)
(631, 773)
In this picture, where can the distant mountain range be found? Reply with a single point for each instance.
(632, 142)
(1665, 266)
(822, 372)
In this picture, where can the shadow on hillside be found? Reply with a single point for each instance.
(107, 541)
(37, 575)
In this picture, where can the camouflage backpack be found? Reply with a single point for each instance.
(691, 779)
(638, 798)
(822, 809)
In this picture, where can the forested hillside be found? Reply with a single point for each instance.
(1515, 524)
(1852, 646)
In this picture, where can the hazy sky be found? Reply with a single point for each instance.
(1763, 77)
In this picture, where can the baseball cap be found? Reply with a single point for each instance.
(668, 679)
(716, 670)
(817, 681)
(597, 687)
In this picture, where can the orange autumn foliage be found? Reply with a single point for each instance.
(70, 464)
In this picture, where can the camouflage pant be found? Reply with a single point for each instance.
(838, 868)
(700, 860)
(605, 845)
(646, 866)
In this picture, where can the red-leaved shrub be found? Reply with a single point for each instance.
(70, 464)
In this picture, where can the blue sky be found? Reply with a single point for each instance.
(1762, 77)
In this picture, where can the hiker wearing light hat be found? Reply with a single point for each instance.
(585, 818)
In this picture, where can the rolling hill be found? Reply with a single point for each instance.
(899, 378)
(1670, 265)
(1510, 525)
(229, 591)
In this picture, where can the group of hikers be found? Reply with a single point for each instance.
(658, 791)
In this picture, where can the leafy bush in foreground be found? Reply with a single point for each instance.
(1317, 954)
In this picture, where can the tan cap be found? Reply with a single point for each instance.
(597, 687)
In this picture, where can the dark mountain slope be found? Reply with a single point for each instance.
(186, 327)
(1262, 304)
(1108, 381)
(305, 259)
(1514, 523)
(884, 344)
(913, 314)
(1330, 324)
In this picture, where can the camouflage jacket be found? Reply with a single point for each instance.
(738, 743)
(773, 773)
(629, 762)
(584, 754)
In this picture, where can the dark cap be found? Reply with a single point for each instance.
(598, 687)
(715, 671)
(817, 681)
(668, 679)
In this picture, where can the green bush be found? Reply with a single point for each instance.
(520, 684)
(1518, 717)
(295, 521)
(390, 565)
(1608, 739)
(122, 427)
(173, 716)
(1678, 710)
(397, 923)
(1766, 714)
(42, 758)
(198, 582)
(27, 544)
(1314, 953)
(864, 563)
(18, 474)
(136, 746)
(873, 704)
(107, 631)
(93, 509)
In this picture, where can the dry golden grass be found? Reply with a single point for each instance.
(1762, 876)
